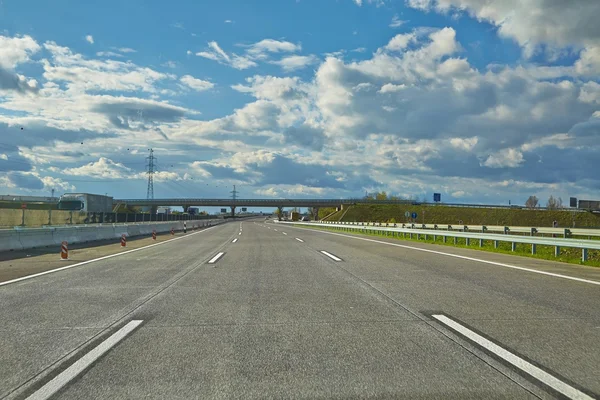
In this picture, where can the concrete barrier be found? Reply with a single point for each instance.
(27, 238)
(9, 240)
(36, 237)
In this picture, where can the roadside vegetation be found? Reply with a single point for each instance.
(440, 214)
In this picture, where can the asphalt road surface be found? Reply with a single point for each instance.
(262, 310)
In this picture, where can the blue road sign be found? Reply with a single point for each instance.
(437, 197)
(414, 215)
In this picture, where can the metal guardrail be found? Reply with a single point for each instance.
(468, 235)
(565, 232)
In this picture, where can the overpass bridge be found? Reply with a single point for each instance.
(233, 204)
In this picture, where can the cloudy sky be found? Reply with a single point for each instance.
(481, 101)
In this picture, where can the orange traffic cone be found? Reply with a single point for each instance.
(154, 235)
(123, 240)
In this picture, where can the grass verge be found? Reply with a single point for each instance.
(568, 255)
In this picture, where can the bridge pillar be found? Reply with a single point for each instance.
(279, 212)
(185, 208)
(315, 216)
(153, 210)
(232, 211)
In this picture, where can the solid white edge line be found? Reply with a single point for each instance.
(300, 240)
(84, 362)
(234, 240)
(464, 258)
(215, 258)
(100, 258)
(331, 256)
(515, 360)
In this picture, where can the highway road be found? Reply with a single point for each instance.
(259, 310)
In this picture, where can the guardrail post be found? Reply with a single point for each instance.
(533, 248)
(480, 242)
(533, 231)
(465, 228)
(410, 235)
(506, 230)
(556, 251)
(495, 244)
(418, 236)
(434, 238)
(513, 246)
(455, 240)
(445, 239)
(468, 241)
(567, 233)
(435, 226)
(584, 255)
(449, 227)
(483, 229)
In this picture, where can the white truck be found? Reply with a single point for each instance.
(85, 202)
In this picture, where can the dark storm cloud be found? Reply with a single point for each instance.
(35, 134)
(10, 81)
(305, 136)
(124, 114)
(25, 181)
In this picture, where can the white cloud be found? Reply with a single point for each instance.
(401, 41)
(292, 63)
(16, 50)
(103, 168)
(216, 53)
(391, 88)
(396, 22)
(82, 74)
(169, 64)
(57, 183)
(464, 144)
(260, 49)
(196, 84)
(89, 39)
(228, 21)
(530, 23)
(109, 54)
(510, 158)
(125, 49)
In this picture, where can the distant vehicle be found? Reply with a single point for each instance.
(164, 210)
(85, 202)
(193, 210)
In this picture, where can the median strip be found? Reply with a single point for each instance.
(516, 361)
(50, 388)
(101, 258)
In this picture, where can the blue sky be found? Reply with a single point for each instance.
(301, 98)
